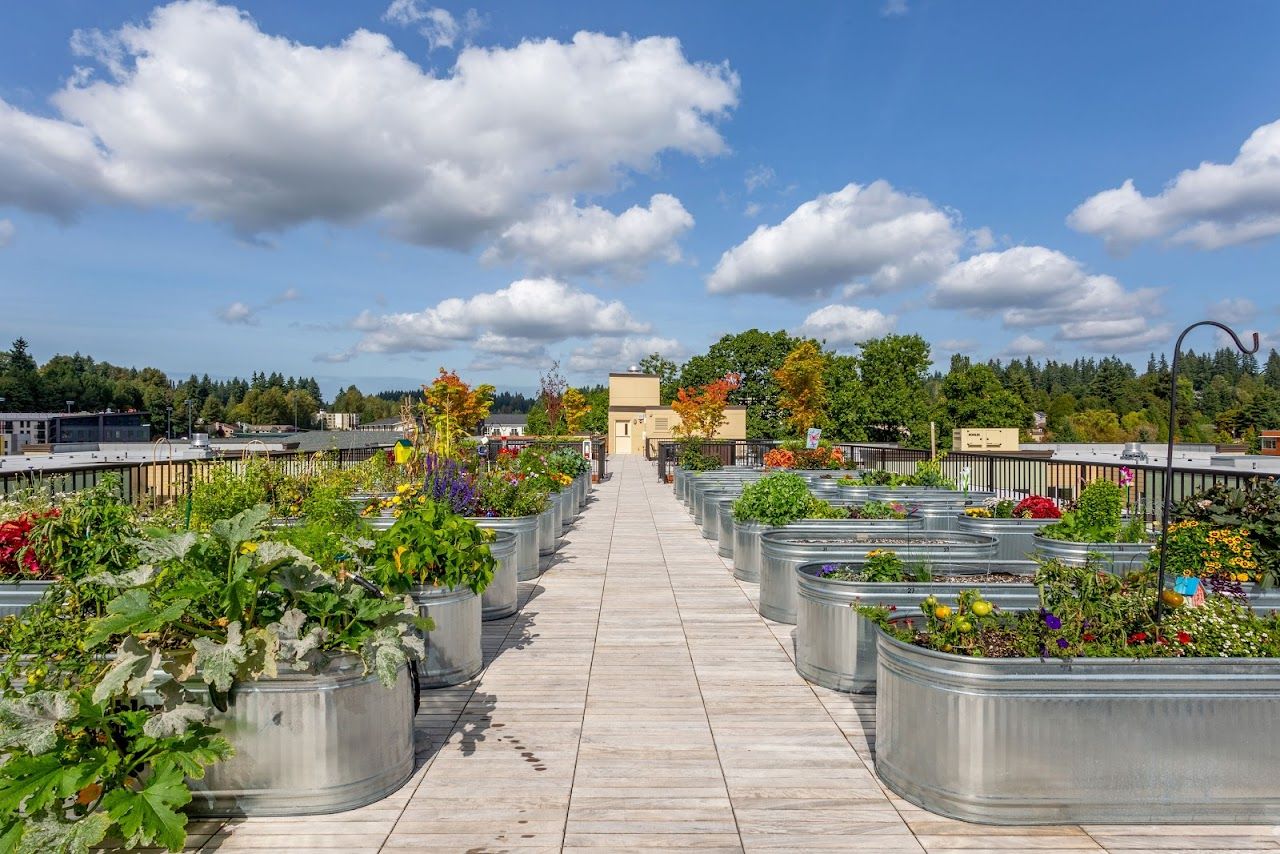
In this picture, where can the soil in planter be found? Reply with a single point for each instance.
(876, 540)
(853, 572)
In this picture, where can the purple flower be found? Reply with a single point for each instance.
(1062, 643)
(1052, 621)
(827, 569)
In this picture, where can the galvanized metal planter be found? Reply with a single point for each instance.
(724, 536)
(500, 598)
(526, 530)
(309, 743)
(1094, 741)
(711, 503)
(1118, 558)
(453, 647)
(718, 478)
(548, 530)
(1015, 536)
(836, 647)
(567, 508)
(17, 596)
(915, 494)
(746, 540)
(782, 551)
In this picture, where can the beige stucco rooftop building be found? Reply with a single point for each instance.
(637, 417)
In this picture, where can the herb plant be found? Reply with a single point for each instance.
(774, 500)
(431, 546)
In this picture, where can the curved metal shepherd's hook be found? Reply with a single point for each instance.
(1168, 460)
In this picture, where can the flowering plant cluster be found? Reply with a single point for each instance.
(1036, 507)
(879, 510)
(17, 557)
(1198, 549)
(1087, 613)
(779, 458)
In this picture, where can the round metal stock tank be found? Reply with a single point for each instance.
(711, 501)
(525, 529)
(782, 551)
(499, 599)
(453, 646)
(548, 529)
(17, 596)
(917, 494)
(746, 540)
(308, 743)
(567, 507)
(1015, 537)
(724, 537)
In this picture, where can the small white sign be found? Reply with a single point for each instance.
(812, 437)
(586, 449)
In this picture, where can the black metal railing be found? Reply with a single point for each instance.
(1011, 476)
(598, 452)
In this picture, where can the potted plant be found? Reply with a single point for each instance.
(1096, 526)
(148, 680)
(1083, 710)
(1012, 524)
(504, 500)
(443, 563)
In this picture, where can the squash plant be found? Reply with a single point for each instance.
(431, 546)
(102, 733)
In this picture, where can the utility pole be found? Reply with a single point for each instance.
(933, 440)
(190, 403)
(168, 434)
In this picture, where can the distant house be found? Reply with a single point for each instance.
(1268, 440)
(382, 424)
(504, 425)
(337, 420)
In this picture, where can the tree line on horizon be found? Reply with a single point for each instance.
(888, 391)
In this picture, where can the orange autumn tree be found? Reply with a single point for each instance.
(453, 409)
(701, 410)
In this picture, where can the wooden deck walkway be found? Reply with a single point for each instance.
(638, 702)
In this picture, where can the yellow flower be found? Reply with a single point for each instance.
(248, 548)
(399, 551)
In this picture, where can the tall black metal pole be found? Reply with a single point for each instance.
(1167, 503)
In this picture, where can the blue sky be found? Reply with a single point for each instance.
(251, 187)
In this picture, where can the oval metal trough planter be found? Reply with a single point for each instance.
(1092, 741)
(1117, 558)
(308, 743)
(566, 507)
(836, 646)
(501, 597)
(454, 653)
(17, 596)
(1016, 536)
(746, 540)
(782, 551)
(718, 478)
(525, 529)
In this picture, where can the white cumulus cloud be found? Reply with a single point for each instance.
(526, 314)
(618, 354)
(438, 26)
(1027, 345)
(563, 239)
(1036, 286)
(873, 235)
(201, 110)
(847, 324)
(1208, 207)
(237, 312)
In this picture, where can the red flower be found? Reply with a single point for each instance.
(1089, 636)
(1184, 638)
(1037, 507)
(1138, 637)
(893, 607)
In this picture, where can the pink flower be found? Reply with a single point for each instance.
(1126, 476)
